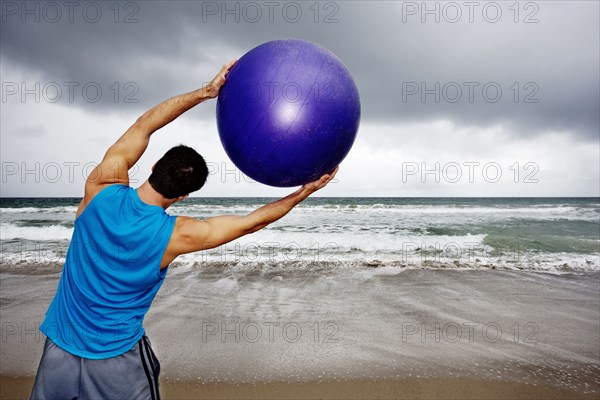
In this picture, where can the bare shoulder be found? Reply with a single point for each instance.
(111, 171)
(186, 226)
(188, 236)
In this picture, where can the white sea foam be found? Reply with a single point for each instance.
(37, 233)
(454, 213)
(199, 208)
(20, 210)
(39, 210)
(367, 241)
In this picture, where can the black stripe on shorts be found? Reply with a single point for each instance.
(146, 370)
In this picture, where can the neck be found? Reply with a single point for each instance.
(150, 196)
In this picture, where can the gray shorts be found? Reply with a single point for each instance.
(132, 375)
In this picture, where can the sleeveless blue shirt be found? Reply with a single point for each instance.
(110, 276)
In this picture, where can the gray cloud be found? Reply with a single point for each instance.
(175, 46)
(36, 131)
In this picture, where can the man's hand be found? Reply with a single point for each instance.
(321, 182)
(212, 89)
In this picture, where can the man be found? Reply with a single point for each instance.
(122, 244)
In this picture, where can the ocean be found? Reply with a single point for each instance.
(535, 234)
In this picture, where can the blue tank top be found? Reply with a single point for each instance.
(110, 276)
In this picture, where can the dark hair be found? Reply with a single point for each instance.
(179, 172)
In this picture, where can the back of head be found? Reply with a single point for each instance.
(179, 172)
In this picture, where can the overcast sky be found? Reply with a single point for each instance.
(510, 107)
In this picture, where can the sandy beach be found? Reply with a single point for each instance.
(371, 333)
(19, 388)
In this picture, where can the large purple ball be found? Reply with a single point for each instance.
(288, 112)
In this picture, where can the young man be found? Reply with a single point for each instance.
(122, 243)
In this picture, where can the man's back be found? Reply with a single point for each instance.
(111, 274)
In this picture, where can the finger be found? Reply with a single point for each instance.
(332, 173)
(324, 180)
(225, 73)
(228, 66)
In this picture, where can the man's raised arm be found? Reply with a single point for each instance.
(122, 155)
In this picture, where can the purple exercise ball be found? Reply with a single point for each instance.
(288, 112)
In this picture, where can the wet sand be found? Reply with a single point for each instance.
(464, 389)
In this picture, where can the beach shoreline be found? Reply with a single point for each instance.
(426, 388)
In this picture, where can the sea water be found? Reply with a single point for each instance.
(542, 234)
